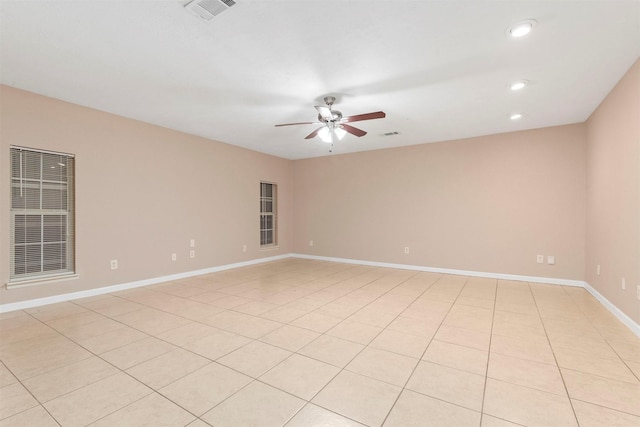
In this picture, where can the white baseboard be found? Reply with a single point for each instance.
(549, 280)
(21, 305)
(629, 322)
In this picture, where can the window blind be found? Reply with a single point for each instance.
(42, 213)
(267, 214)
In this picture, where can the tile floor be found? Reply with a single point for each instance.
(309, 343)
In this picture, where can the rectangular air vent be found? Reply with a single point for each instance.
(391, 133)
(207, 9)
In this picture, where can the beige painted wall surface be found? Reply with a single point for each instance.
(142, 193)
(613, 194)
(488, 204)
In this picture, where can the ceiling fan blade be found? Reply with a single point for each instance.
(314, 133)
(301, 123)
(352, 130)
(368, 116)
(325, 112)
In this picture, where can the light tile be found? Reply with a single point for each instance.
(188, 333)
(111, 306)
(15, 399)
(626, 350)
(300, 376)
(31, 329)
(284, 314)
(316, 322)
(36, 416)
(399, 342)
(416, 410)
(593, 346)
(358, 397)
(598, 416)
(618, 395)
(151, 320)
(255, 358)
(489, 421)
(96, 400)
(354, 331)
(448, 384)
(165, 369)
(6, 377)
(540, 376)
(392, 368)
(464, 337)
(312, 415)
(456, 356)
(36, 356)
(256, 405)
(112, 340)
(255, 308)
(422, 328)
(140, 351)
(591, 364)
(69, 378)
(201, 390)
(530, 348)
(332, 350)
(217, 344)
(291, 338)
(152, 410)
(527, 406)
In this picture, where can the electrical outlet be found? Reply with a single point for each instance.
(114, 264)
(192, 253)
(551, 260)
(192, 243)
(244, 248)
(174, 257)
(598, 270)
(623, 284)
(540, 259)
(406, 249)
(638, 292)
(310, 242)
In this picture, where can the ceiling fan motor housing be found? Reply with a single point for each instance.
(336, 116)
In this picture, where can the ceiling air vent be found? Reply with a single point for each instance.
(391, 133)
(207, 9)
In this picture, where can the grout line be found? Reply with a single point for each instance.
(564, 384)
(486, 375)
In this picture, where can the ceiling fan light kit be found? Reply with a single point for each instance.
(334, 124)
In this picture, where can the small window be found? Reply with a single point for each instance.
(268, 235)
(42, 214)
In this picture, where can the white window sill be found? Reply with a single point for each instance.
(269, 248)
(33, 281)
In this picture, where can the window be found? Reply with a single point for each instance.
(42, 214)
(267, 214)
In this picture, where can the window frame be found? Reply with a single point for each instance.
(268, 215)
(55, 224)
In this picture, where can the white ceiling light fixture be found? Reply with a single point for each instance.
(515, 116)
(518, 84)
(522, 28)
(325, 135)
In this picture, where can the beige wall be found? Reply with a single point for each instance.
(487, 204)
(613, 194)
(142, 192)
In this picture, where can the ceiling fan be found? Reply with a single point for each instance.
(335, 126)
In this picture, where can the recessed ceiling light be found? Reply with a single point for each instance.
(521, 28)
(519, 84)
(515, 116)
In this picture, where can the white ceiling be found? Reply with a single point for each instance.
(439, 69)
